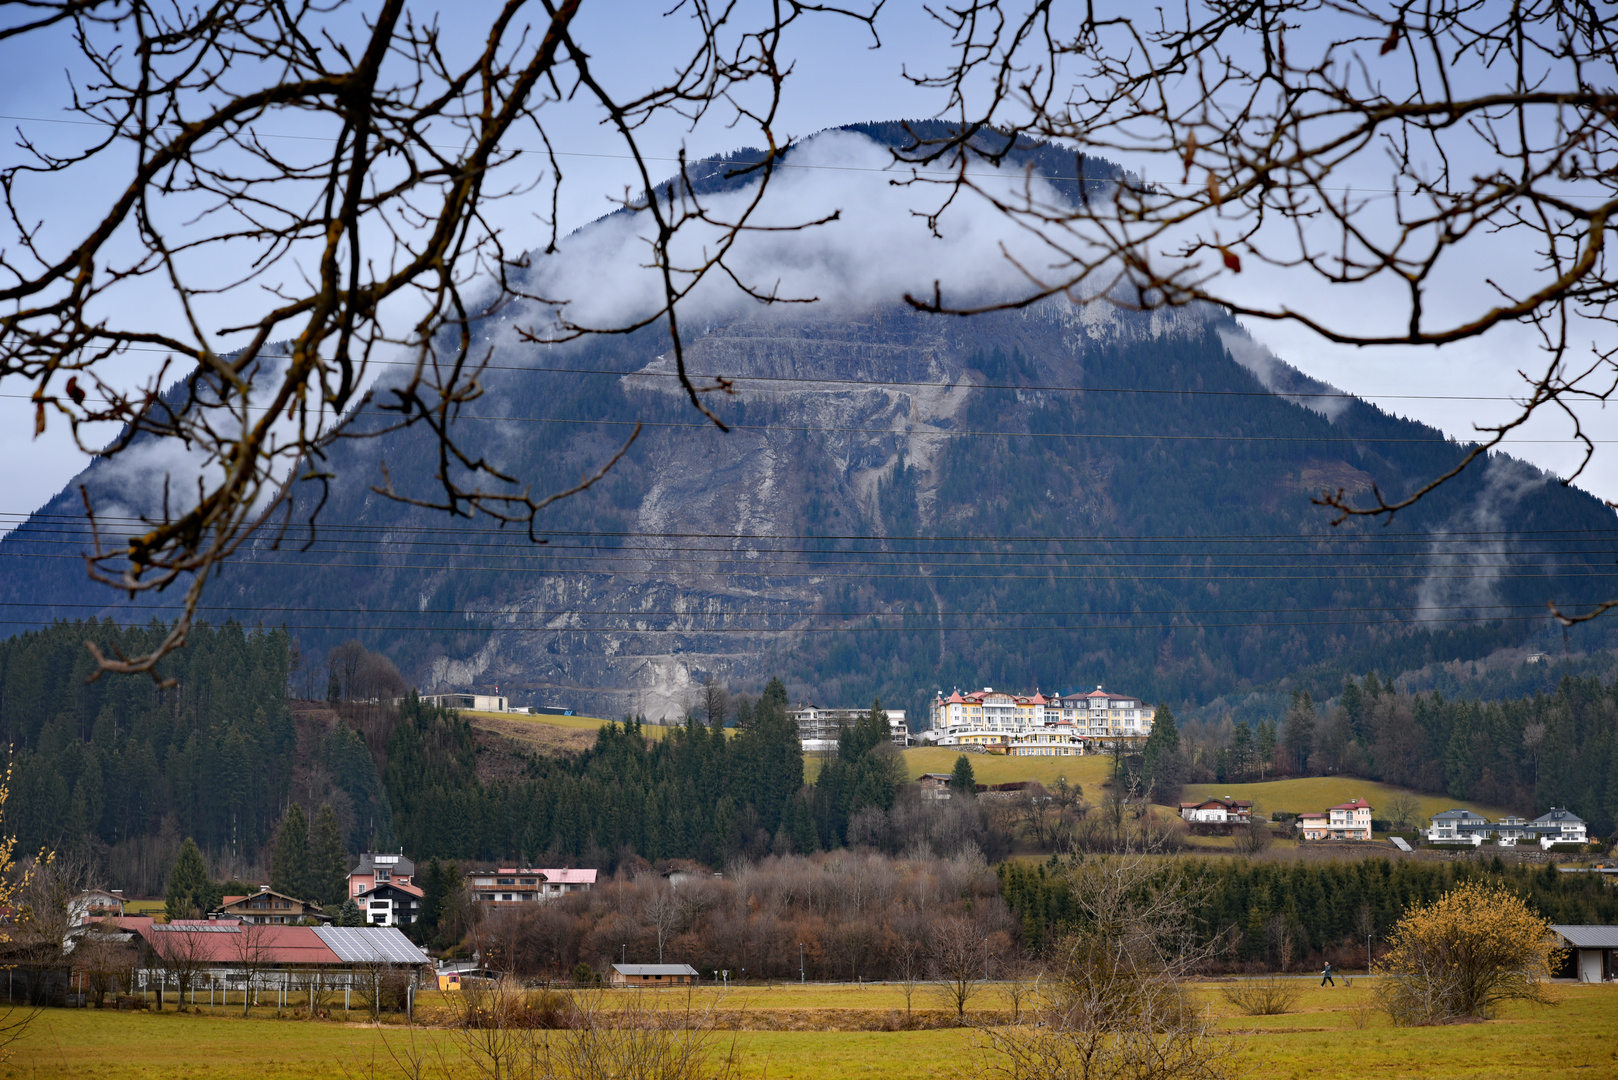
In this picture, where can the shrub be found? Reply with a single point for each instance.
(1462, 955)
(1271, 996)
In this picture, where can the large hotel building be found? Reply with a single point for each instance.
(1035, 725)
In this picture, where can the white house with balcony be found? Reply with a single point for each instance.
(1458, 826)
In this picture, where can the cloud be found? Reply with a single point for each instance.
(879, 248)
(1464, 583)
(1280, 377)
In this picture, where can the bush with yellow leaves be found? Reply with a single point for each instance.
(1463, 955)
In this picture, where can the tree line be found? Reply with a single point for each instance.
(1527, 754)
(1262, 914)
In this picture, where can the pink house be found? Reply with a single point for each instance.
(1350, 820)
(380, 868)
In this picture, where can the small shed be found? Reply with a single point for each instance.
(653, 975)
(1595, 951)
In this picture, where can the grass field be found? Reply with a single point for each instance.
(1330, 1035)
(1087, 771)
(1319, 792)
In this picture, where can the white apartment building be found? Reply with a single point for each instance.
(818, 728)
(1036, 725)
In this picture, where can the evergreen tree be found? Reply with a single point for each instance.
(328, 859)
(289, 865)
(189, 890)
(1298, 732)
(350, 914)
(1265, 746)
(1162, 750)
(962, 779)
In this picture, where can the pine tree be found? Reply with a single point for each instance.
(1266, 746)
(350, 914)
(289, 865)
(189, 889)
(1163, 742)
(1299, 730)
(328, 859)
(962, 779)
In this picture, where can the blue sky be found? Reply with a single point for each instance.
(837, 79)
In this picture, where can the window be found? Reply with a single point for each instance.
(527, 881)
(505, 881)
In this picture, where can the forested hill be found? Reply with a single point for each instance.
(1056, 497)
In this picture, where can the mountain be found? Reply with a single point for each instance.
(1057, 497)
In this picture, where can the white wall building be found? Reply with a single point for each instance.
(818, 728)
(1037, 725)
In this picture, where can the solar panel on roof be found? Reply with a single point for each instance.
(175, 928)
(370, 945)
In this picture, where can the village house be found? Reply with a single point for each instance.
(1224, 812)
(1345, 821)
(1558, 826)
(95, 904)
(934, 785)
(390, 904)
(270, 908)
(516, 885)
(1350, 820)
(380, 868)
(653, 975)
(1458, 827)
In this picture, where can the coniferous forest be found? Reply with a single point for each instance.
(119, 769)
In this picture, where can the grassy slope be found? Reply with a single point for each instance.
(1307, 793)
(1320, 1039)
(1319, 792)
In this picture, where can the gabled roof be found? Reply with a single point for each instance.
(1554, 815)
(1589, 937)
(376, 890)
(570, 876)
(1352, 804)
(227, 901)
(1457, 815)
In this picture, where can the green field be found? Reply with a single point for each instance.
(575, 723)
(1330, 1035)
(1087, 771)
(1319, 792)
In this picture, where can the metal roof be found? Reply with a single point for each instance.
(654, 969)
(1589, 937)
(370, 945)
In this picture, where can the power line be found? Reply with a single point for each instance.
(972, 628)
(946, 433)
(637, 613)
(1379, 536)
(947, 386)
(1481, 572)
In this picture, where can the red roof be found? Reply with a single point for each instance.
(222, 942)
(1352, 804)
(1039, 699)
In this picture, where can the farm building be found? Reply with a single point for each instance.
(653, 975)
(1595, 951)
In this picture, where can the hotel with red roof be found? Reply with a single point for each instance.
(1037, 725)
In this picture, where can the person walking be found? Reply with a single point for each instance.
(1325, 976)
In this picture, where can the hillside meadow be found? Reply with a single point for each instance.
(1319, 792)
(1332, 1033)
